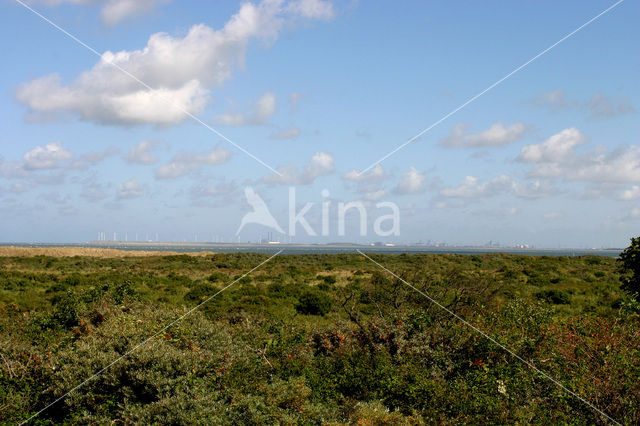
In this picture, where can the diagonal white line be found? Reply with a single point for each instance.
(490, 87)
(485, 335)
(144, 342)
(164, 97)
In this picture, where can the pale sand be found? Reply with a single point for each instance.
(10, 251)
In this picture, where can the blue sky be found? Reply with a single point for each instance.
(320, 90)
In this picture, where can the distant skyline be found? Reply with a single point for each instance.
(318, 91)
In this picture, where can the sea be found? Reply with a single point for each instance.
(292, 249)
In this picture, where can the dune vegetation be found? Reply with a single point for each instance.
(316, 339)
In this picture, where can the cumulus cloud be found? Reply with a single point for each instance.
(291, 133)
(634, 214)
(534, 189)
(473, 187)
(412, 182)
(93, 192)
(185, 163)
(604, 106)
(557, 157)
(376, 174)
(214, 189)
(555, 100)
(115, 11)
(141, 153)
(262, 110)
(557, 148)
(130, 189)
(12, 170)
(215, 194)
(181, 70)
(496, 135)
(632, 193)
(376, 195)
(599, 106)
(367, 184)
(320, 164)
(51, 156)
(312, 9)
(92, 158)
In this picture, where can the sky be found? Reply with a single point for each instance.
(160, 114)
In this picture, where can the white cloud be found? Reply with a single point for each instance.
(375, 174)
(599, 106)
(368, 184)
(114, 11)
(12, 170)
(93, 192)
(312, 9)
(412, 182)
(92, 158)
(496, 135)
(631, 215)
(141, 153)
(262, 110)
(214, 190)
(604, 106)
(185, 163)
(130, 189)
(557, 158)
(375, 195)
(632, 193)
(534, 189)
(291, 133)
(473, 187)
(51, 156)
(320, 164)
(181, 69)
(558, 147)
(556, 100)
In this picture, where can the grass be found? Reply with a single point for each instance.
(316, 339)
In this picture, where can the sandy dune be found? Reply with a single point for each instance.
(10, 251)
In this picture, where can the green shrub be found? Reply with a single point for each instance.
(329, 279)
(630, 268)
(218, 277)
(67, 309)
(122, 290)
(314, 303)
(557, 297)
(200, 293)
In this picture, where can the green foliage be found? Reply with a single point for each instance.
(122, 290)
(557, 297)
(630, 268)
(366, 350)
(314, 303)
(67, 309)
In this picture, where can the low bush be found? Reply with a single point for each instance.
(556, 297)
(314, 303)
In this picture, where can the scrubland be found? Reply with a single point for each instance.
(316, 339)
